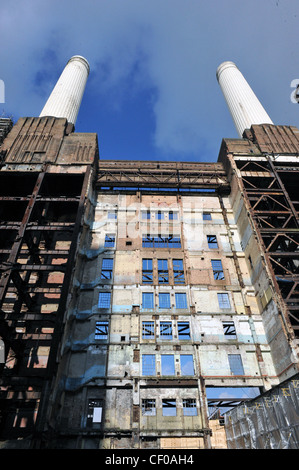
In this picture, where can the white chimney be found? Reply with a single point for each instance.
(67, 94)
(243, 104)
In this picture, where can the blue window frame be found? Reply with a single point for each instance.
(235, 363)
(148, 330)
(147, 271)
(101, 330)
(163, 276)
(109, 240)
(148, 364)
(159, 215)
(206, 216)
(178, 271)
(167, 364)
(212, 242)
(187, 366)
(168, 407)
(147, 300)
(161, 241)
(104, 299)
(164, 300)
(217, 269)
(183, 330)
(223, 300)
(107, 268)
(165, 330)
(180, 300)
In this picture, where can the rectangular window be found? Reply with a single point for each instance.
(223, 300)
(148, 364)
(163, 276)
(107, 268)
(109, 241)
(206, 216)
(148, 330)
(187, 366)
(147, 300)
(161, 241)
(180, 300)
(178, 271)
(147, 241)
(229, 329)
(189, 407)
(101, 330)
(104, 299)
(183, 330)
(112, 215)
(146, 215)
(168, 407)
(166, 330)
(148, 407)
(94, 414)
(164, 300)
(147, 271)
(173, 215)
(159, 215)
(235, 363)
(167, 364)
(217, 269)
(212, 241)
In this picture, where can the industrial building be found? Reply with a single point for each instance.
(135, 295)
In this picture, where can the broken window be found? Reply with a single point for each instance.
(235, 363)
(148, 330)
(167, 364)
(104, 299)
(189, 407)
(187, 366)
(94, 414)
(164, 300)
(229, 329)
(148, 407)
(183, 330)
(159, 215)
(173, 215)
(180, 300)
(166, 330)
(178, 271)
(107, 268)
(147, 271)
(147, 300)
(101, 330)
(109, 240)
(212, 241)
(217, 269)
(163, 276)
(168, 407)
(148, 364)
(223, 301)
(206, 216)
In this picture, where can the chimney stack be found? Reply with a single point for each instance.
(243, 104)
(67, 94)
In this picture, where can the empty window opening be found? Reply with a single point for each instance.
(235, 363)
(167, 364)
(217, 269)
(148, 364)
(148, 407)
(159, 215)
(187, 366)
(173, 215)
(166, 330)
(112, 215)
(178, 271)
(148, 330)
(147, 300)
(147, 271)
(109, 241)
(104, 299)
(146, 215)
(107, 269)
(183, 330)
(206, 216)
(161, 241)
(212, 241)
(163, 276)
(180, 300)
(164, 300)
(101, 330)
(189, 407)
(223, 300)
(168, 407)
(229, 329)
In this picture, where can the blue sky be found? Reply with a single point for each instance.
(152, 92)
